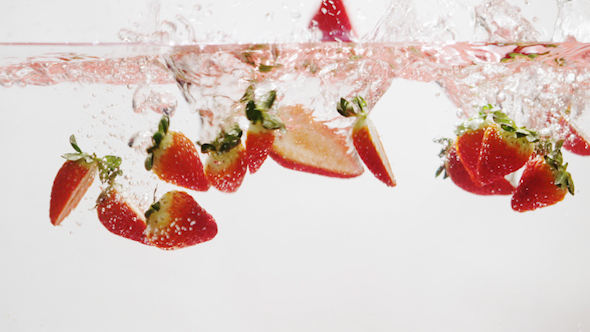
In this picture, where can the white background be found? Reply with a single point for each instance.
(295, 252)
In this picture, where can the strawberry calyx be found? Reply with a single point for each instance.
(488, 115)
(257, 111)
(225, 141)
(88, 158)
(554, 158)
(153, 209)
(157, 140)
(358, 107)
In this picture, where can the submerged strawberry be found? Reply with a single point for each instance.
(71, 182)
(503, 149)
(177, 221)
(453, 167)
(544, 182)
(119, 216)
(309, 145)
(261, 132)
(332, 20)
(575, 141)
(175, 159)
(226, 165)
(366, 140)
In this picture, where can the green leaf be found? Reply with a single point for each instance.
(208, 147)
(75, 144)
(264, 68)
(270, 99)
(248, 95)
(253, 114)
(361, 103)
(73, 156)
(345, 108)
(272, 122)
(149, 162)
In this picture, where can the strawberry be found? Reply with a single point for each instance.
(226, 165)
(261, 132)
(332, 21)
(454, 168)
(71, 182)
(575, 141)
(366, 140)
(544, 181)
(119, 216)
(503, 149)
(309, 145)
(175, 159)
(177, 221)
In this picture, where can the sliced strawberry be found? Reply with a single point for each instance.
(119, 216)
(177, 221)
(468, 147)
(366, 141)
(261, 132)
(544, 182)
(505, 149)
(226, 165)
(575, 141)
(454, 168)
(309, 145)
(333, 22)
(175, 159)
(71, 183)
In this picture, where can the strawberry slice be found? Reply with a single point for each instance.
(175, 159)
(366, 140)
(261, 132)
(226, 165)
(71, 183)
(332, 20)
(544, 181)
(119, 216)
(178, 221)
(454, 168)
(308, 145)
(575, 141)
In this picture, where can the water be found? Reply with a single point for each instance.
(295, 251)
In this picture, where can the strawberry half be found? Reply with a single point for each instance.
(544, 181)
(366, 140)
(175, 159)
(454, 168)
(177, 221)
(308, 145)
(261, 132)
(119, 216)
(332, 20)
(575, 141)
(491, 146)
(226, 165)
(71, 183)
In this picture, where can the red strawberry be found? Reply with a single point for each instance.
(226, 165)
(333, 22)
(309, 145)
(261, 132)
(494, 145)
(544, 182)
(575, 141)
(175, 159)
(454, 168)
(71, 182)
(366, 141)
(177, 221)
(119, 216)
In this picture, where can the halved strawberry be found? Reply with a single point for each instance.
(226, 165)
(333, 22)
(575, 141)
(454, 168)
(71, 182)
(261, 132)
(545, 181)
(366, 140)
(119, 216)
(309, 145)
(175, 159)
(177, 221)
(503, 149)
